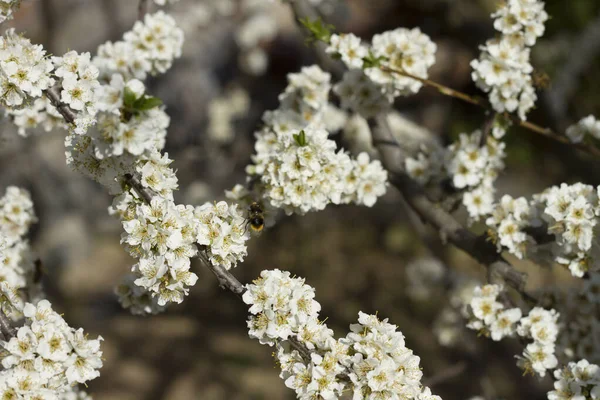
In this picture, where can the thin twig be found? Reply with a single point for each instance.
(480, 102)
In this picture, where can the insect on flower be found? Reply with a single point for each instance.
(256, 217)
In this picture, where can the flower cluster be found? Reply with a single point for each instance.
(370, 88)
(79, 81)
(361, 95)
(372, 360)
(162, 235)
(149, 48)
(7, 8)
(406, 50)
(503, 69)
(299, 167)
(567, 214)
(47, 357)
(131, 120)
(381, 365)
(24, 70)
(137, 299)
(507, 224)
(472, 168)
(490, 317)
(222, 229)
(587, 126)
(578, 380)
(541, 326)
(39, 113)
(280, 306)
(16, 214)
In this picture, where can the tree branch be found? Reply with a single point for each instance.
(451, 230)
(6, 327)
(226, 279)
(54, 96)
(480, 102)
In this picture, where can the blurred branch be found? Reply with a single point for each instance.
(445, 375)
(6, 327)
(432, 213)
(143, 7)
(480, 102)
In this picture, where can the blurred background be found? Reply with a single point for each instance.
(378, 259)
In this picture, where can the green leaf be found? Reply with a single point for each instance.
(370, 61)
(319, 31)
(146, 103)
(129, 98)
(300, 139)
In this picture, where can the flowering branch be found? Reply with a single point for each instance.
(480, 102)
(476, 246)
(64, 110)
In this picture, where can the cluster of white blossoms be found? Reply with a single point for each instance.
(503, 69)
(131, 120)
(79, 81)
(47, 358)
(24, 70)
(507, 223)
(299, 167)
(406, 50)
(471, 166)
(568, 215)
(587, 126)
(541, 326)
(361, 95)
(162, 236)
(7, 8)
(372, 361)
(17, 267)
(39, 113)
(149, 48)
(491, 318)
(222, 229)
(576, 381)
(370, 89)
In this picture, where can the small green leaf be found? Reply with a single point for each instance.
(300, 138)
(319, 31)
(370, 61)
(147, 103)
(129, 98)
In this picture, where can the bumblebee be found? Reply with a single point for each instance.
(256, 217)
